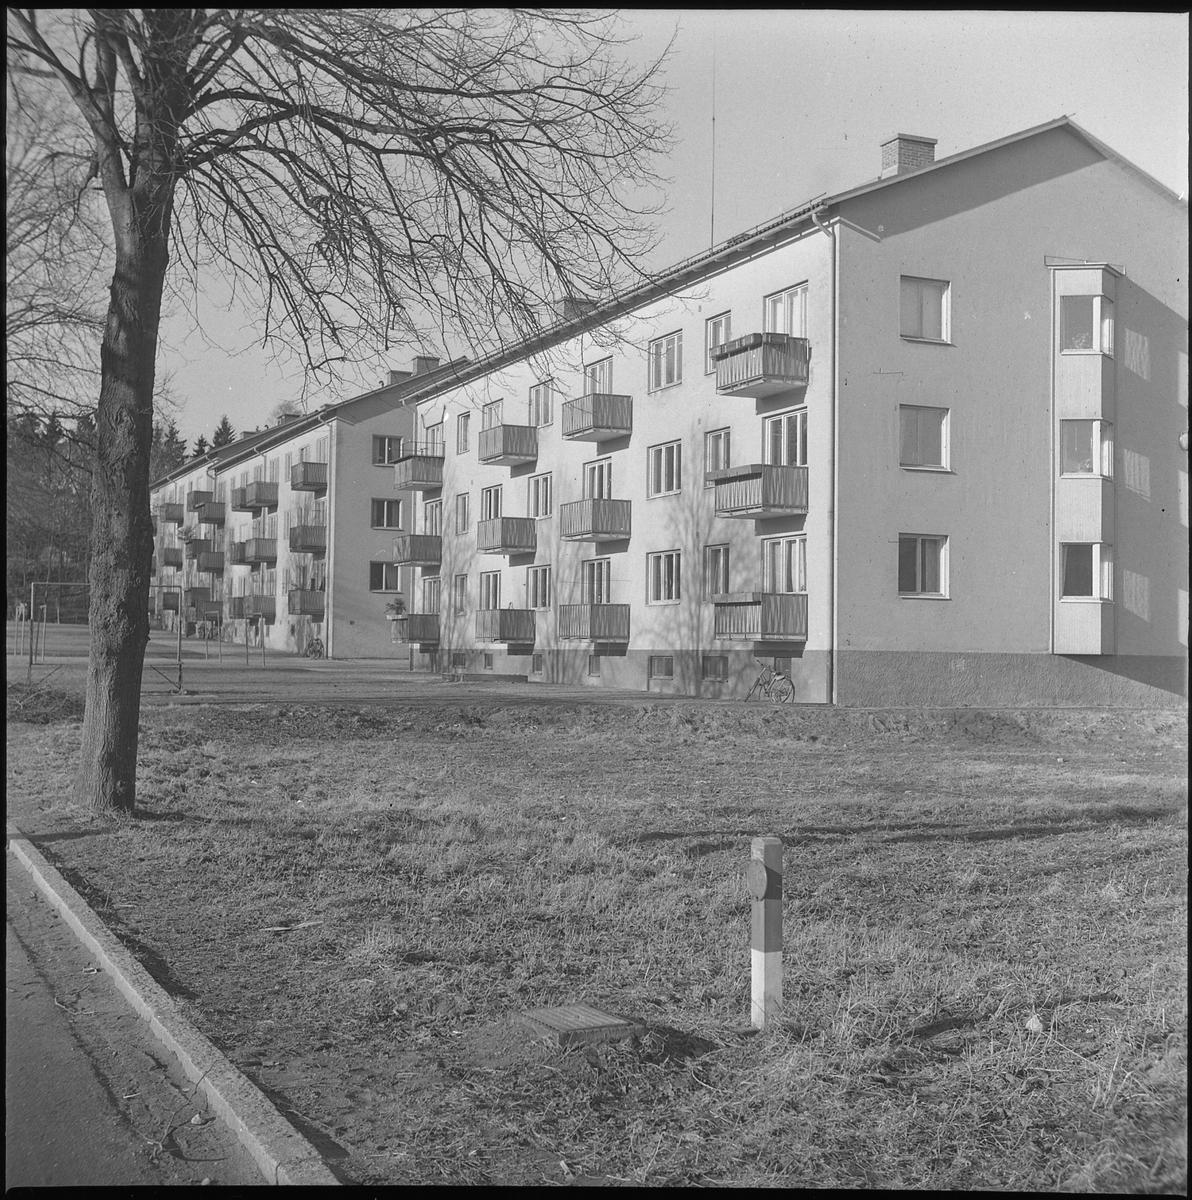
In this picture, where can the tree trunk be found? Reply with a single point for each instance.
(121, 531)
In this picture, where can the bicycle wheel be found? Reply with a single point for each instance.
(783, 691)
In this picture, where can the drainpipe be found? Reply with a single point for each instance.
(833, 482)
(329, 565)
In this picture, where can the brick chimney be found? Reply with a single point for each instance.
(905, 152)
(424, 363)
(396, 377)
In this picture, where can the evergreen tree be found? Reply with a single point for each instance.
(224, 433)
(201, 446)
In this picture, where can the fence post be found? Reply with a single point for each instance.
(764, 877)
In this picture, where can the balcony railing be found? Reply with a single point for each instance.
(171, 556)
(259, 605)
(309, 477)
(761, 616)
(422, 472)
(307, 602)
(211, 562)
(594, 622)
(760, 364)
(421, 628)
(260, 550)
(595, 520)
(236, 554)
(169, 601)
(239, 500)
(196, 500)
(508, 445)
(505, 625)
(261, 493)
(192, 596)
(598, 417)
(507, 535)
(208, 610)
(171, 514)
(197, 546)
(236, 609)
(213, 512)
(759, 490)
(418, 550)
(308, 539)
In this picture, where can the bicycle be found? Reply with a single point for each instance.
(314, 648)
(774, 685)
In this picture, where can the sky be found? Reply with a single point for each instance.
(802, 101)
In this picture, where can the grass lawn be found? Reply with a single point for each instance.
(985, 934)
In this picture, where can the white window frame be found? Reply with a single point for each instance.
(784, 565)
(490, 591)
(664, 358)
(796, 420)
(389, 582)
(1101, 459)
(462, 516)
(490, 503)
(945, 420)
(432, 594)
(664, 466)
(598, 479)
(920, 286)
(386, 523)
(542, 404)
(598, 377)
(717, 568)
(432, 518)
(434, 439)
(664, 577)
(462, 425)
(492, 414)
(786, 311)
(1101, 337)
(538, 587)
(1102, 572)
(459, 595)
(717, 331)
(540, 496)
(919, 593)
(596, 580)
(718, 460)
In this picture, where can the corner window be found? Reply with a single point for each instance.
(922, 565)
(1086, 448)
(666, 361)
(663, 573)
(922, 436)
(538, 587)
(1086, 324)
(924, 309)
(665, 469)
(716, 578)
(718, 330)
(386, 514)
(1086, 571)
(716, 446)
(384, 577)
(786, 312)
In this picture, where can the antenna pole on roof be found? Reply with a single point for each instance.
(713, 233)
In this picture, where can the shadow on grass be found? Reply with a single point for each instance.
(329, 1149)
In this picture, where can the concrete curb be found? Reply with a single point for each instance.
(282, 1153)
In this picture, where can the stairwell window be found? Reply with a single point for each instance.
(922, 565)
(663, 574)
(924, 309)
(1086, 571)
(666, 361)
(386, 514)
(665, 469)
(923, 437)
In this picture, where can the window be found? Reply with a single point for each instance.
(490, 414)
(385, 451)
(923, 309)
(716, 571)
(715, 666)
(596, 579)
(1086, 323)
(459, 658)
(432, 518)
(488, 661)
(384, 577)
(1086, 571)
(663, 577)
(786, 312)
(716, 443)
(1086, 448)
(922, 436)
(666, 361)
(786, 439)
(273, 468)
(538, 587)
(461, 513)
(386, 514)
(784, 564)
(598, 480)
(540, 498)
(434, 440)
(289, 466)
(536, 665)
(594, 665)
(598, 377)
(490, 590)
(431, 593)
(322, 444)
(665, 469)
(541, 405)
(461, 433)
(459, 595)
(662, 666)
(718, 330)
(922, 565)
(302, 452)
(490, 503)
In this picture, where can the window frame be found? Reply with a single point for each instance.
(542, 399)
(1101, 565)
(538, 587)
(721, 322)
(788, 310)
(432, 518)
(1103, 330)
(656, 356)
(490, 591)
(385, 501)
(490, 503)
(654, 666)
(462, 425)
(432, 586)
(600, 471)
(799, 419)
(1102, 449)
(676, 468)
(725, 437)
(593, 373)
(540, 495)
(788, 546)
(596, 580)
(720, 675)
(942, 566)
(717, 568)
(459, 595)
(945, 286)
(492, 415)
(664, 568)
(945, 438)
(386, 566)
(462, 515)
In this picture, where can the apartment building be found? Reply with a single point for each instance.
(915, 443)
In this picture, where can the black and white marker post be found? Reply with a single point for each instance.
(764, 876)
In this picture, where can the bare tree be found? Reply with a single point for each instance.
(375, 176)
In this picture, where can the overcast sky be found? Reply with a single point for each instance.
(802, 102)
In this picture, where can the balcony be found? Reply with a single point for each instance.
(213, 512)
(421, 471)
(506, 625)
(761, 364)
(257, 605)
(595, 520)
(169, 601)
(756, 490)
(594, 622)
(507, 535)
(170, 514)
(309, 539)
(508, 445)
(211, 562)
(598, 417)
(208, 610)
(260, 550)
(236, 554)
(761, 616)
(171, 556)
(197, 546)
(239, 500)
(420, 628)
(236, 608)
(196, 595)
(308, 477)
(261, 494)
(418, 550)
(196, 500)
(307, 602)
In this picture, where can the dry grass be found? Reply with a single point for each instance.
(949, 877)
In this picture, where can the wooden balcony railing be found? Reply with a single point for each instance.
(418, 550)
(236, 554)
(309, 477)
(594, 622)
(261, 494)
(239, 500)
(761, 616)
(257, 604)
(596, 520)
(213, 512)
(507, 535)
(505, 625)
(760, 364)
(508, 445)
(197, 546)
(758, 490)
(308, 539)
(169, 601)
(419, 472)
(171, 514)
(307, 602)
(192, 596)
(196, 500)
(171, 556)
(598, 417)
(422, 628)
(236, 608)
(260, 550)
(211, 562)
